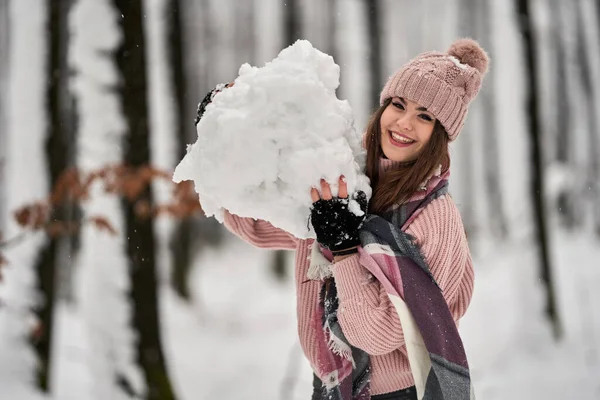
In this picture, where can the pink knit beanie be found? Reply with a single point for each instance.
(444, 83)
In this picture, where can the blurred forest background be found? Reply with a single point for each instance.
(113, 285)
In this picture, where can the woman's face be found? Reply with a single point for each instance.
(406, 128)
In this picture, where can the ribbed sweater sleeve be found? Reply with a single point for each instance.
(366, 314)
(259, 233)
(307, 302)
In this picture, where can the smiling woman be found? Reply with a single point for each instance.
(403, 253)
(423, 107)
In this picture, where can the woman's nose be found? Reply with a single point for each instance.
(405, 123)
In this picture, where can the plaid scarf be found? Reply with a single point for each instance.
(435, 350)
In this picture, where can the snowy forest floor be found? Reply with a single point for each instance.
(237, 338)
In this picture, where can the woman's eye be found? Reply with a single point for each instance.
(398, 105)
(426, 117)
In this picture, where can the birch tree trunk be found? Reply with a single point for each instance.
(102, 280)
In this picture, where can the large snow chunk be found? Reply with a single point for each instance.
(263, 143)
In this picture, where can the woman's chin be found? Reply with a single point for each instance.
(397, 153)
(396, 156)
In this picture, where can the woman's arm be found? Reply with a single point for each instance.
(440, 233)
(260, 233)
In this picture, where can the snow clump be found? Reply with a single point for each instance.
(263, 143)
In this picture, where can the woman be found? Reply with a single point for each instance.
(350, 296)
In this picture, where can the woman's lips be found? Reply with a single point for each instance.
(398, 143)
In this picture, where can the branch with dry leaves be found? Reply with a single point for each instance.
(74, 188)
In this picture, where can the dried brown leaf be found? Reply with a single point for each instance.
(102, 224)
(66, 185)
(33, 215)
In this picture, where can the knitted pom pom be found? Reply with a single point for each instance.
(469, 52)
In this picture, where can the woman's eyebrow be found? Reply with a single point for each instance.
(418, 108)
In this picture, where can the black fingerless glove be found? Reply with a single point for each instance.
(335, 225)
(208, 99)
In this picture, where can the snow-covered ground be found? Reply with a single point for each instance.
(509, 342)
(238, 338)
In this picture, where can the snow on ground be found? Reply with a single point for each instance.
(235, 341)
(238, 339)
(74, 378)
(509, 343)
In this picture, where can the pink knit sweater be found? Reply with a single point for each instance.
(366, 314)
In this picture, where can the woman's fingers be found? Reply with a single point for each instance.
(343, 191)
(325, 190)
(314, 195)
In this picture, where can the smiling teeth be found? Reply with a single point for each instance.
(401, 138)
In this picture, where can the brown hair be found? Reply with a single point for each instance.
(398, 184)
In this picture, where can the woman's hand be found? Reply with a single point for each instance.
(335, 225)
(208, 99)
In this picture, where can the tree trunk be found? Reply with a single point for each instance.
(4, 62)
(131, 62)
(373, 22)
(291, 21)
(585, 57)
(467, 145)
(475, 22)
(245, 33)
(537, 179)
(595, 154)
(181, 239)
(564, 118)
(492, 167)
(332, 11)
(57, 155)
(69, 124)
